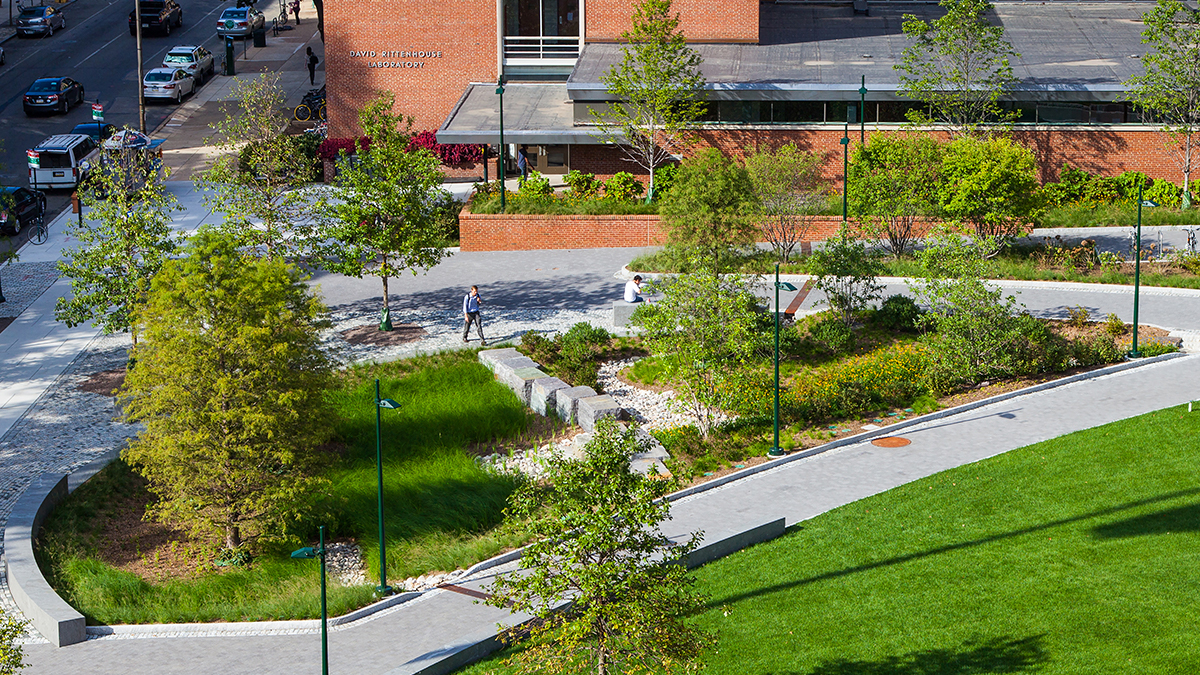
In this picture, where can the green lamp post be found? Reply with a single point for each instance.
(309, 552)
(381, 404)
(1137, 268)
(845, 165)
(503, 151)
(862, 107)
(777, 451)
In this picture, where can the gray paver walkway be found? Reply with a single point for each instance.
(396, 642)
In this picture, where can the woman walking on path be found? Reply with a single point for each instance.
(471, 303)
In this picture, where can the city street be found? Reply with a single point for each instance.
(97, 50)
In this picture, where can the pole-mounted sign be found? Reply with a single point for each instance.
(97, 112)
(35, 162)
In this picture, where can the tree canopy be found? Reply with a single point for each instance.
(710, 206)
(893, 183)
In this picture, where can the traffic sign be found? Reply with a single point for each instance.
(35, 162)
(97, 112)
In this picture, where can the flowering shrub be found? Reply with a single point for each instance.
(330, 148)
(449, 153)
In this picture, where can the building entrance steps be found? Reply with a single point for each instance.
(440, 626)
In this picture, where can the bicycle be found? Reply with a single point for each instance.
(39, 234)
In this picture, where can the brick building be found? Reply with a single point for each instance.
(776, 72)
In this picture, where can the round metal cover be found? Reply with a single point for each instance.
(891, 442)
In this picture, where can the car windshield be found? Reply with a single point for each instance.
(32, 12)
(158, 77)
(234, 14)
(44, 85)
(178, 58)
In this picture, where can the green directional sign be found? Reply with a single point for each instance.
(784, 286)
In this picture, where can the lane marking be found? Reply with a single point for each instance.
(98, 50)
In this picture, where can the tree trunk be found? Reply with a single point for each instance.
(385, 285)
(233, 536)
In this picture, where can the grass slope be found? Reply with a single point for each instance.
(1079, 555)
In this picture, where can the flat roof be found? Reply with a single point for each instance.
(534, 113)
(1069, 51)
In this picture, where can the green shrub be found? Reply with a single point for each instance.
(623, 186)
(647, 371)
(583, 185)
(1113, 325)
(1069, 189)
(664, 178)
(536, 184)
(1164, 193)
(573, 356)
(1098, 350)
(1129, 181)
(1103, 190)
(898, 313)
(834, 334)
(1154, 347)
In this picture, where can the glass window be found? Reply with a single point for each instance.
(1063, 112)
(158, 77)
(54, 160)
(740, 112)
(43, 86)
(797, 112)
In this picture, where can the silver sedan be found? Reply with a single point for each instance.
(169, 83)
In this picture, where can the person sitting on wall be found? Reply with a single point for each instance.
(633, 290)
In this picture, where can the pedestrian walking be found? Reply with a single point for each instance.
(296, 10)
(523, 163)
(312, 63)
(471, 303)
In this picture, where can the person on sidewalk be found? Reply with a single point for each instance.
(312, 62)
(296, 11)
(633, 290)
(523, 163)
(471, 303)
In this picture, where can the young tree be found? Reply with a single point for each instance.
(12, 656)
(789, 190)
(1169, 91)
(710, 206)
(990, 185)
(255, 182)
(846, 273)
(975, 327)
(893, 183)
(659, 89)
(384, 218)
(599, 548)
(959, 66)
(704, 329)
(124, 241)
(230, 385)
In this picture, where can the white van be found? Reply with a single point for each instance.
(63, 161)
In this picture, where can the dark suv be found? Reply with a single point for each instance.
(157, 15)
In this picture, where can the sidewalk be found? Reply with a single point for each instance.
(412, 636)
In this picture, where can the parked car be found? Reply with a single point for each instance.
(20, 207)
(240, 22)
(64, 160)
(157, 16)
(40, 21)
(197, 61)
(51, 94)
(98, 131)
(171, 83)
(127, 160)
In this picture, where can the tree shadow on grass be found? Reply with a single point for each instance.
(1179, 519)
(1141, 528)
(974, 657)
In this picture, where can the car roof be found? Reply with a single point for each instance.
(163, 70)
(61, 141)
(85, 125)
(183, 48)
(10, 188)
(48, 79)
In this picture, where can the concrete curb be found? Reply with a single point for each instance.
(929, 417)
(56, 620)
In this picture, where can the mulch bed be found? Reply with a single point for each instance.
(371, 335)
(104, 383)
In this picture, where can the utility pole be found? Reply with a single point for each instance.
(137, 24)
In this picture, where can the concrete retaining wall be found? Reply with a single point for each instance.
(49, 614)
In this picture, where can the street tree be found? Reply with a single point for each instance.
(990, 186)
(255, 182)
(385, 217)
(893, 184)
(1169, 91)
(710, 207)
(659, 90)
(124, 240)
(790, 193)
(704, 331)
(12, 656)
(230, 384)
(958, 65)
(846, 272)
(600, 577)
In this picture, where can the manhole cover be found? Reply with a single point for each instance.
(891, 442)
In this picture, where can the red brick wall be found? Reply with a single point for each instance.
(1102, 151)
(463, 31)
(700, 20)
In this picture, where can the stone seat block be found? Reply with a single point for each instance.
(565, 400)
(590, 410)
(504, 368)
(489, 357)
(521, 380)
(542, 395)
(623, 311)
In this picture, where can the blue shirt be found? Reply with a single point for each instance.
(470, 304)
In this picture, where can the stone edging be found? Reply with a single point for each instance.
(58, 621)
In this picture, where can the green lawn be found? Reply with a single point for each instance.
(1079, 555)
(441, 509)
